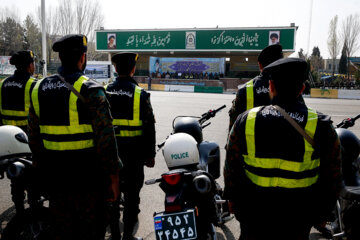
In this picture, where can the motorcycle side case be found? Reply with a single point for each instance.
(209, 158)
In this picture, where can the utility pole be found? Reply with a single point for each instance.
(43, 38)
(309, 33)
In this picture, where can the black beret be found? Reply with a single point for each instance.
(22, 58)
(71, 43)
(286, 69)
(270, 54)
(126, 59)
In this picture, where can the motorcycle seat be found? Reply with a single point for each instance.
(350, 193)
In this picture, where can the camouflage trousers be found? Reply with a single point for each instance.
(78, 215)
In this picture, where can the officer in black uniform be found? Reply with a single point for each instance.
(15, 91)
(275, 179)
(73, 143)
(14, 109)
(134, 126)
(256, 91)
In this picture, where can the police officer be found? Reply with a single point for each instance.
(15, 91)
(14, 109)
(256, 91)
(73, 143)
(277, 182)
(134, 125)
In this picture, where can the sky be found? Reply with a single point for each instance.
(150, 14)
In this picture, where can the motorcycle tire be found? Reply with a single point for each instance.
(26, 226)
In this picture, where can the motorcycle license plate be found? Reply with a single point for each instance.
(175, 226)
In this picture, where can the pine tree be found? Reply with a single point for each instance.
(343, 61)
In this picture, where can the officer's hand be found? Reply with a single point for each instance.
(114, 188)
(150, 163)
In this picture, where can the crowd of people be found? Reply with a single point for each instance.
(88, 143)
(339, 82)
(188, 75)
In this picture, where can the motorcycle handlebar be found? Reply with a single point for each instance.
(210, 114)
(348, 122)
(204, 117)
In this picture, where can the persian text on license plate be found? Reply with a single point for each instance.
(175, 226)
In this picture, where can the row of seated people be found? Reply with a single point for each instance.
(188, 75)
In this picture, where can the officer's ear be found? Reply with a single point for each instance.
(261, 67)
(272, 89)
(302, 89)
(133, 71)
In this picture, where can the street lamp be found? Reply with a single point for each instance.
(43, 38)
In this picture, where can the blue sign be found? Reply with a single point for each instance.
(187, 65)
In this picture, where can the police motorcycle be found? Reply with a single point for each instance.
(193, 199)
(346, 224)
(15, 161)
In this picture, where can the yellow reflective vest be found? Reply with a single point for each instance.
(12, 115)
(257, 163)
(74, 135)
(250, 94)
(129, 127)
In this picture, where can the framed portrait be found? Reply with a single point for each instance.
(111, 41)
(274, 37)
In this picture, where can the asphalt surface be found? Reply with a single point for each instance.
(166, 106)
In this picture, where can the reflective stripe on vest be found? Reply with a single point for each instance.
(276, 163)
(73, 128)
(17, 113)
(250, 94)
(135, 122)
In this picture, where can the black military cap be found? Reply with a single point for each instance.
(71, 43)
(287, 69)
(22, 58)
(126, 59)
(270, 54)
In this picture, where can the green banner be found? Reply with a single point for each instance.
(208, 89)
(195, 39)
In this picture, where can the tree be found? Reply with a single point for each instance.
(32, 36)
(80, 16)
(88, 17)
(11, 37)
(66, 17)
(343, 61)
(316, 60)
(350, 35)
(333, 41)
(301, 53)
(12, 13)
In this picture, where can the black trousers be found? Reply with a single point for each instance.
(131, 182)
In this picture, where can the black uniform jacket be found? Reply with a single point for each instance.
(13, 94)
(83, 167)
(121, 98)
(261, 97)
(276, 138)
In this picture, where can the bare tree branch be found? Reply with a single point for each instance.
(350, 35)
(333, 41)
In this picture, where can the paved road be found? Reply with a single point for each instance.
(166, 106)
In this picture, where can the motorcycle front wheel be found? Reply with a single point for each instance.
(29, 225)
